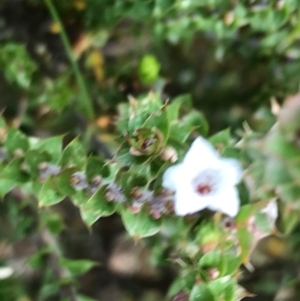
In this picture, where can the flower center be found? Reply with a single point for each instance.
(203, 189)
(206, 182)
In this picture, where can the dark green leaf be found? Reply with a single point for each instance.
(140, 224)
(53, 222)
(96, 166)
(38, 260)
(33, 158)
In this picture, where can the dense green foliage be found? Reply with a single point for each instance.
(100, 98)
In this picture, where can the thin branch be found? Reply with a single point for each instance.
(86, 101)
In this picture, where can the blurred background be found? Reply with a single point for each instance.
(66, 66)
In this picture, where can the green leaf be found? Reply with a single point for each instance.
(13, 171)
(180, 132)
(246, 211)
(243, 193)
(38, 260)
(73, 155)
(88, 216)
(288, 219)
(230, 263)
(184, 101)
(245, 239)
(62, 182)
(17, 64)
(16, 140)
(221, 139)
(96, 207)
(33, 158)
(276, 173)
(6, 186)
(136, 121)
(201, 292)
(223, 286)
(208, 233)
(148, 69)
(197, 121)
(210, 259)
(158, 120)
(276, 144)
(175, 287)
(124, 157)
(232, 152)
(53, 222)
(180, 285)
(77, 266)
(188, 279)
(129, 180)
(96, 166)
(140, 224)
(53, 146)
(48, 196)
(290, 193)
(173, 111)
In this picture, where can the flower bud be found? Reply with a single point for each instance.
(169, 154)
(145, 142)
(46, 170)
(78, 181)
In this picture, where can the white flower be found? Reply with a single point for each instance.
(204, 180)
(5, 272)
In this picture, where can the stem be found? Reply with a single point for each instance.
(68, 290)
(86, 101)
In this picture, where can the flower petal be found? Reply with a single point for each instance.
(200, 155)
(189, 202)
(227, 201)
(170, 177)
(231, 171)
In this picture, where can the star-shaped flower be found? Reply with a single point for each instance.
(204, 180)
